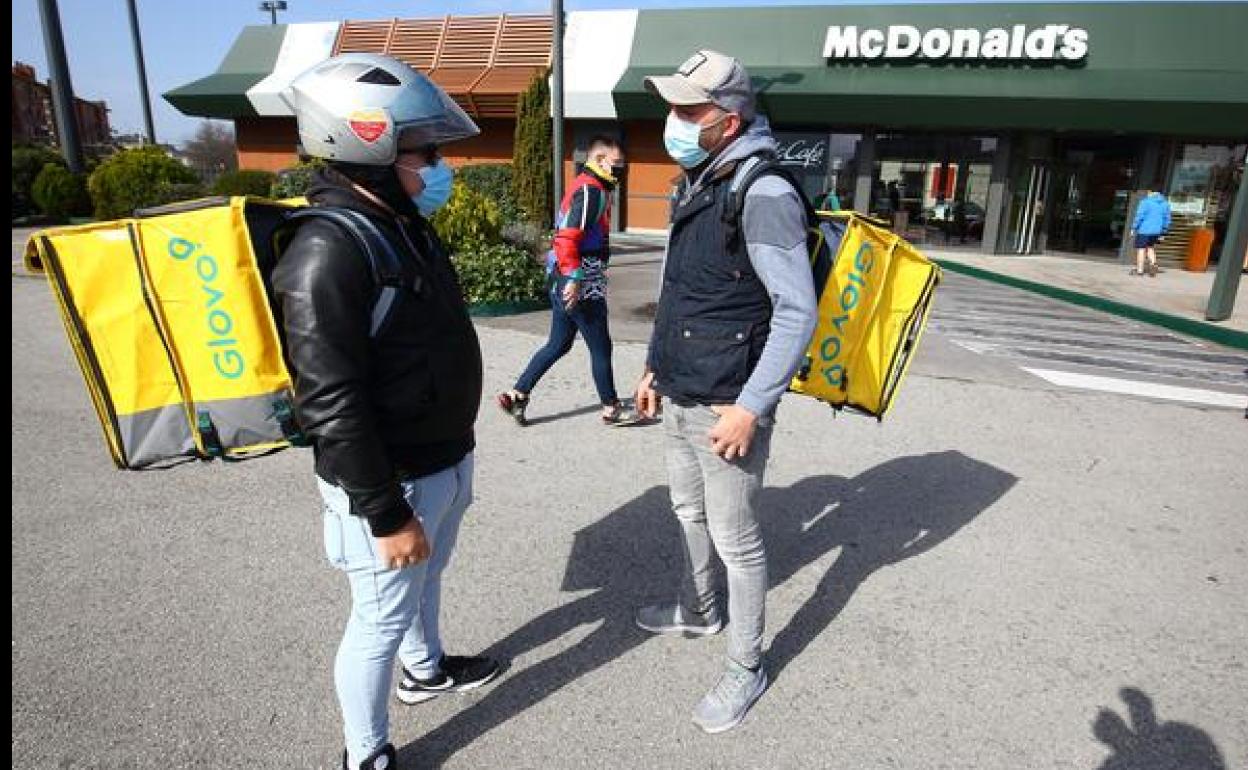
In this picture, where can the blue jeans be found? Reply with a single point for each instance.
(589, 317)
(392, 611)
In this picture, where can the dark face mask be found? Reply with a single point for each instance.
(618, 172)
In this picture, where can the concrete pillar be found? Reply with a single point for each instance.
(864, 162)
(998, 189)
(1126, 252)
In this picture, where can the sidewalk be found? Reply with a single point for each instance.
(1175, 299)
(1176, 294)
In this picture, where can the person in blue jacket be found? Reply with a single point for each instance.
(1152, 221)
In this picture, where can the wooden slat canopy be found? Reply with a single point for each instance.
(483, 62)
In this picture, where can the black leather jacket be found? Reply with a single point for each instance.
(377, 410)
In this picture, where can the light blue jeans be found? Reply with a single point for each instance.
(716, 502)
(392, 611)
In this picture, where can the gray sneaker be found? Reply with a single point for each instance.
(672, 618)
(726, 704)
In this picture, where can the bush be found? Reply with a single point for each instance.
(257, 183)
(134, 179)
(494, 181)
(528, 236)
(60, 193)
(497, 272)
(177, 192)
(27, 163)
(294, 182)
(469, 220)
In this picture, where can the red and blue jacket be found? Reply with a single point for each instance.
(582, 232)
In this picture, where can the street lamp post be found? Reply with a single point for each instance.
(62, 89)
(556, 100)
(138, 55)
(273, 6)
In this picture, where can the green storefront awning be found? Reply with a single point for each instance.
(1167, 67)
(1196, 103)
(223, 94)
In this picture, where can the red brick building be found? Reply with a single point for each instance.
(34, 119)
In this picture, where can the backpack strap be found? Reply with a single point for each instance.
(383, 261)
(749, 171)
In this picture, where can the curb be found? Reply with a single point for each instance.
(495, 309)
(1205, 331)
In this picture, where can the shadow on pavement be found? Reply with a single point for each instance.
(563, 415)
(1147, 745)
(899, 509)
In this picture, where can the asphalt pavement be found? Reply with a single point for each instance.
(1008, 572)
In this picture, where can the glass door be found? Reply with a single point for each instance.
(1027, 212)
(1066, 227)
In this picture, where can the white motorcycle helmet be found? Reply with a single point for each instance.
(366, 108)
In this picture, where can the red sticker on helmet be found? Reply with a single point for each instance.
(369, 126)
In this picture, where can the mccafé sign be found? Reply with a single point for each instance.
(1053, 42)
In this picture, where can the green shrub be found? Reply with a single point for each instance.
(27, 164)
(294, 182)
(257, 183)
(60, 193)
(499, 273)
(494, 181)
(134, 179)
(468, 221)
(529, 236)
(171, 192)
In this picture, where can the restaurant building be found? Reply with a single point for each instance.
(1007, 128)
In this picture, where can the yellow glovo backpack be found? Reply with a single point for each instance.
(875, 291)
(169, 316)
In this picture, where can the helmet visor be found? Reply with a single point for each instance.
(440, 121)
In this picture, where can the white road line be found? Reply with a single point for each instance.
(977, 348)
(1137, 388)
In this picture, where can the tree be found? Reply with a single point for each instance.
(532, 179)
(213, 151)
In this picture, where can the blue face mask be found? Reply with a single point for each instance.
(681, 140)
(438, 180)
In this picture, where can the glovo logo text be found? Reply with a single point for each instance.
(856, 283)
(227, 359)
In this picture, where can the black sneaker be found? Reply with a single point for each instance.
(455, 674)
(382, 759)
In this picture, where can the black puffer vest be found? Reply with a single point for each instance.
(714, 313)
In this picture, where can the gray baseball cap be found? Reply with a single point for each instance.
(707, 77)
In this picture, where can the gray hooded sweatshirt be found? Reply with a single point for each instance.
(774, 227)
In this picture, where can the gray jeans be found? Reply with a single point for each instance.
(716, 503)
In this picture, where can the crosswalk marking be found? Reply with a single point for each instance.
(1103, 352)
(1137, 388)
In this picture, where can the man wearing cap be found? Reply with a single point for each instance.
(734, 319)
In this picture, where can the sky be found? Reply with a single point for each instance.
(184, 40)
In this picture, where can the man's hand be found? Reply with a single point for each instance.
(405, 548)
(732, 434)
(646, 397)
(571, 295)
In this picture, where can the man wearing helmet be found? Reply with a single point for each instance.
(388, 396)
